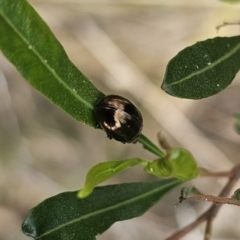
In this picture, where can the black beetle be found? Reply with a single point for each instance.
(119, 118)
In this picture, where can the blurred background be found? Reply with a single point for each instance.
(123, 46)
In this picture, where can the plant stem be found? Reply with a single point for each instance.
(206, 173)
(208, 230)
(227, 24)
(147, 144)
(194, 193)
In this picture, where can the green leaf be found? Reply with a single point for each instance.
(31, 46)
(236, 195)
(189, 191)
(204, 69)
(66, 217)
(160, 168)
(184, 165)
(151, 147)
(178, 163)
(237, 125)
(104, 171)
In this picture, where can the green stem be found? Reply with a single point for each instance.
(151, 147)
(144, 162)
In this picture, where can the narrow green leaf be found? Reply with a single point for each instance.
(204, 69)
(151, 147)
(106, 170)
(31, 46)
(66, 217)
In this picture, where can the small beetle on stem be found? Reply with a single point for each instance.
(119, 118)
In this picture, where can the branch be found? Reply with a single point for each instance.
(194, 193)
(224, 24)
(203, 172)
(212, 211)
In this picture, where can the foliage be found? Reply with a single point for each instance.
(42, 61)
(198, 71)
(66, 217)
(204, 69)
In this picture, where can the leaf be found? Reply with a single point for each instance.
(204, 69)
(236, 195)
(184, 165)
(189, 192)
(104, 171)
(147, 144)
(178, 163)
(66, 217)
(160, 168)
(31, 46)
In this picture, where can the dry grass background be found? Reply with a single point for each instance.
(123, 47)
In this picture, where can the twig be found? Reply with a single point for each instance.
(206, 173)
(208, 230)
(212, 211)
(192, 192)
(224, 24)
